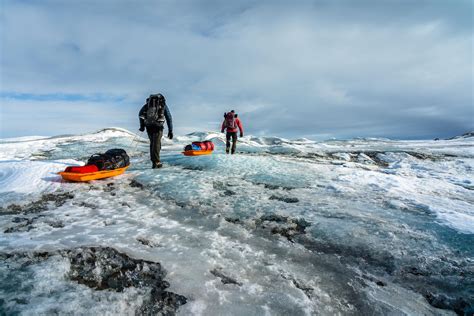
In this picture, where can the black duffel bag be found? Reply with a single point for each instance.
(119, 157)
(110, 160)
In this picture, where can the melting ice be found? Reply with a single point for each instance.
(285, 227)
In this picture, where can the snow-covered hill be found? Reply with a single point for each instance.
(465, 135)
(366, 226)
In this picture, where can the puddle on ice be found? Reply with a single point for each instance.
(284, 227)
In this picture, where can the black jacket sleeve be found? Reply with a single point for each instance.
(142, 115)
(169, 119)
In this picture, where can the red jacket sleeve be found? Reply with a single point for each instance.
(239, 124)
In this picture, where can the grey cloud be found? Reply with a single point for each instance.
(338, 68)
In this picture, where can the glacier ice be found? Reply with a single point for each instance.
(363, 226)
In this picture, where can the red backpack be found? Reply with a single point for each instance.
(230, 120)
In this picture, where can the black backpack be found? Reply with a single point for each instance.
(155, 110)
(110, 160)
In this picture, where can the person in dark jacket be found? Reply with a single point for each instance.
(232, 124)
(152, 117)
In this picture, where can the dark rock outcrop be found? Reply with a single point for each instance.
(224, 278)
(135, 184)
(285, 199)
(283, 225)
(46, 200)
(106, 269)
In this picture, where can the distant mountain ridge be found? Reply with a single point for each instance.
(465, 135)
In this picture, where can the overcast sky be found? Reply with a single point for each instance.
(316, 69)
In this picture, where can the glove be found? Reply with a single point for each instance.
(241, 135)
(170, 135)
(142, 128)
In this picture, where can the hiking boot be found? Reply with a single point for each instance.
(157, 165)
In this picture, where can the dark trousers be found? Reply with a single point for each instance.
(155, 134)
(228, 136)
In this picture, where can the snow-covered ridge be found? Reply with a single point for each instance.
(28, 147)
(252, 143)
(465, 135)
(110, 132)
(457, 147)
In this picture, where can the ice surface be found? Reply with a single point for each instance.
(364, 226)
(30, 177)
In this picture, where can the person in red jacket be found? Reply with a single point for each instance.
(232, 123)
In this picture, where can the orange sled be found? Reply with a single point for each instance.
(197, 152)
(84, 177)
